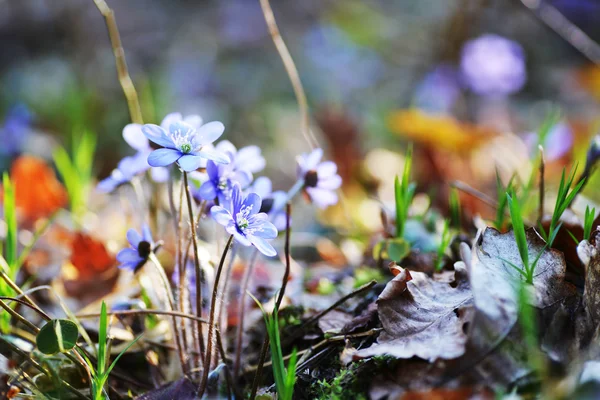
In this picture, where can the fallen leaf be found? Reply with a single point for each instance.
(38, 193)
(422, 317)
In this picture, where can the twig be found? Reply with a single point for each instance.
(565, 28)
(146, 312)
(211, 319)
(291, 70)
(122, 72)
(259, 368)
(227, 368)
(242, 313)
(198, 271)
(463, 187)
(542, 185)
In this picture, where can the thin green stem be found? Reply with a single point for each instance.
(211, 319)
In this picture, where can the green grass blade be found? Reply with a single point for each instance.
(518, 229)
(102, 335)
(588, 222)
(112, 365)
(10, 217)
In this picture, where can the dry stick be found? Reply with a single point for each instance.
(119, 53)
(211, 318)
(197, 270)
(242, 313)
(146, 312)
(463, 187)
(228, 272)
(171, 300)
(565, 28)
(291, 70)
(542, 186)
(228, 377)
(286, 275)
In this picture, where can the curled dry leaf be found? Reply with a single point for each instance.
(422, 317)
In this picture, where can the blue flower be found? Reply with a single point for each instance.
(128, 168)
(493, 65)
(16, 130)
(320, 178)
(273, 203)
(222, 177)
(134, 257)
(245, 222)
(183, 144)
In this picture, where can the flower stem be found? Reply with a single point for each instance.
(197, 269)
(211, 319)
(294, 190)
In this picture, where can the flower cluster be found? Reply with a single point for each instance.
(250, 211)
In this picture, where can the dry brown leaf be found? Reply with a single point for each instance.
(422, 317)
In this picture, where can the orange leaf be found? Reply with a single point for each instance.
(38, 193)
(89, 256)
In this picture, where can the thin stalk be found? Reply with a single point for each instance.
(198, 271)
(228, 377)
(171, 300)
(146, 312)
(291, 70)
(228, 272)
(211, 319)
(542, 186)
(242, 312)
(263, 352)
(122, 70)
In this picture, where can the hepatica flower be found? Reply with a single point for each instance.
(273, 203)
(135, 256)
(184, 144)
(493, 65)
(128, 168)
(222, 177)
(245, 222)
(320, 178)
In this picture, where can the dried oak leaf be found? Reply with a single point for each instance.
(422, 317)
(38, 193)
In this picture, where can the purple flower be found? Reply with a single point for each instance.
(245, 222)
(320, 178)
(493, 65)
(222, 177)
(134, 257)
(128, 168)
(183, 144)
(272, 202)
(557, 143)
(438, 91)
(16, 130)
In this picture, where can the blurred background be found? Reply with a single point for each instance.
(468, 81)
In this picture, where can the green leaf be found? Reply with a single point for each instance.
(56, 336)
(588, 221)
(397, 248)
(518, 229)
(102, 335)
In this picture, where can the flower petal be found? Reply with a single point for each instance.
(268, 231)
(241, 239)
(158, 135)
(128, 255)
(212, 170)
(252, 202)
(207, 191)
(262, 245)
(163, 157)
(147, 234)
(130, 265)
(170, 119)
(193, 120)
(221, 215)
(331, 183)
(159, 174)
(323, 198)
(225, 146)
(107, 185)
(134, 238)
(189, 162)
(244, 178)
(250, 159)
(236, 199)
(312, 160)
(262, 186)
(326, 169)
(133, 135)
(214, 155)
(209, 132)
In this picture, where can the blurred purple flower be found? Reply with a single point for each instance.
(272, 202)
(245, 222)
(320, 178)
(183, 144)
(128, 168)
(558, 141)
(16, 130)
(438, 91)
(493, 65)
(134, 257)
(222, 177)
